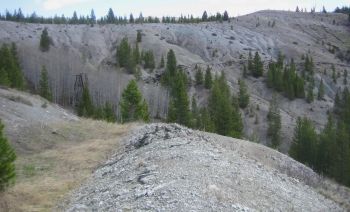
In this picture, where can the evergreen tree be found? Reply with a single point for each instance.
(258, 68)
(320, 91)
(123, 53)
(195, 113)
(44, 41)
(245, 72)
(132, 106)
(44, 88)
(225, 118)
(170, 68)
(334, 77)
(205, 16)
(208, 81)
(109, 115)
(131, 19)
(139, 36)
(274, 121)
(199, 77)
(179, 110)
(149, 60)
(7, 158)
(110, 17)
(304, 145)
(310, 94)
(326, 148)
(16, 77)
(162, 62)
(243, 95)
(85, 107)
(92, 18)
(4, 78)
(226, 17)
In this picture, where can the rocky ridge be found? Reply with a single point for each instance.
(171, 168)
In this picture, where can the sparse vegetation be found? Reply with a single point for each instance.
(7, 158)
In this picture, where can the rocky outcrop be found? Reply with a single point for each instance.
(171, 168)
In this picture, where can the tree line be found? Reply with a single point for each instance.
(109, 18)
(329, 151)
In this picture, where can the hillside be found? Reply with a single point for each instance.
(223, 46)
(148, 167)
(56, 151)
(172, 168)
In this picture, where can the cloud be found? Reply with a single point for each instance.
(58, 4)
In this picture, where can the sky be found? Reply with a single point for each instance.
(162, 7)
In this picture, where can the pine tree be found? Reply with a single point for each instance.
(45, 41)
(258, 68)
(274, 121)
(16, 75)
(310, 94)
(44, 88)
(208, 81)
(303, 148)
(162, 62)
(7, 158)
(149, 60)
(85, 107)
(4, 78)
(123, 53)
(109, 115)
(92, 18)
(225, 117)
(326, 148)
(179, 110)
(110, 17)
(205, 16)
(245, 72)
(320, 94)
(170, 69)
(225, 17)
(132, 106)
(199, 77)
(243, 95)
(131, 19)
(139, 36)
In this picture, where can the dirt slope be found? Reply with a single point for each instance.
(56, 151)
(172, 168)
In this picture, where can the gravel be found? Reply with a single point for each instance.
(172, 168)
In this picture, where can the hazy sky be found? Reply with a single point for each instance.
(162, 7)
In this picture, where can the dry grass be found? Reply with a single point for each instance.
(44, 178)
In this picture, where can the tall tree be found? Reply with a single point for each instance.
(139, 36)
(320, 94)
(92, 17)
(132, 106)
(199, 76)
(44, 88)
(258, 68)
(179, 110)
(274, 121)
(110, 17)
(303, 148)
(243, 95)
(85, 107)
(44, 41)
(205, 16)
(225, 117)
(7, 159)
(208, 81)
(225, 17)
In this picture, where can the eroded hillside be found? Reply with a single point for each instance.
(223, 46)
